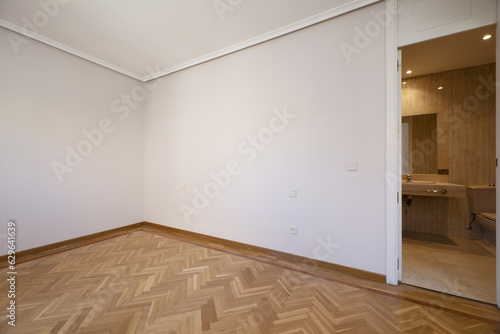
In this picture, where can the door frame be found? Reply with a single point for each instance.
(393, 147)
(393, 152)
(497, 148)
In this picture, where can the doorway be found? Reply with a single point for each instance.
(448, 109)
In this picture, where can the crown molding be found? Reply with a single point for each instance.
(331, 13)
(326, 15)
(67, 49)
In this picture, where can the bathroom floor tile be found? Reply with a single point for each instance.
(466, 269)
(472, 262)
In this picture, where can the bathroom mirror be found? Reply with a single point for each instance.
(419, 144)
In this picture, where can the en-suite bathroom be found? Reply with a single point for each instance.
(449, 165)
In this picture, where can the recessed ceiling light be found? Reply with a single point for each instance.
(487, 37)
(440, 87)
(409, 72)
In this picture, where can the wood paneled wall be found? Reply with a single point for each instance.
(466, 142)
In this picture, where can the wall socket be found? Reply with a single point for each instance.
(292, 229)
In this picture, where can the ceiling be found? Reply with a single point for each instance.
(152, 38)
(451, 52)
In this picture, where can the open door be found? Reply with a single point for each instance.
(400, 148)
(497, 138)
(414, 26)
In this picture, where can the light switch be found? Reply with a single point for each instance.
(352, 166)
(293, 192)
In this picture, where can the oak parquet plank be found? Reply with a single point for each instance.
(142, 282)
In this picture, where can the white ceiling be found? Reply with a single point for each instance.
(450, 52)
(130, 36)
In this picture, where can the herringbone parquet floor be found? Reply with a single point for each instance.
(143, 282)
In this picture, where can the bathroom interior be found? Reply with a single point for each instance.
(449, 164)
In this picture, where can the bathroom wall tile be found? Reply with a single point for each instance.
(465, 141)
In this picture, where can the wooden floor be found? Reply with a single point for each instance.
(144, 282)
(457, 266)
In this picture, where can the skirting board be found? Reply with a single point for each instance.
(205, 240)
(42, 251)
(261, 252)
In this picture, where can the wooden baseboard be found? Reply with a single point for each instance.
(261, 252)
(274, 256)
(39, 252)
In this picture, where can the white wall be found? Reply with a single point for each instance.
(203, 118)
(47, 98)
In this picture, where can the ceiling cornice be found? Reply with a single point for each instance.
(326, 15)
(65, 48)
(329, 14)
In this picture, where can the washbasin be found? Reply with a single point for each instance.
(418, 182)
(428, 188)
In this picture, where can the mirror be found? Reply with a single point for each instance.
(419, 144)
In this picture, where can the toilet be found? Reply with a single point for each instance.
(482, 203)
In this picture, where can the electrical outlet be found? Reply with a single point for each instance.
(292, 229)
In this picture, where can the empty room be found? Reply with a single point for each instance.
(237, 166)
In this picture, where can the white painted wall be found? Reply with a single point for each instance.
(47, 98)
(203, 118)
